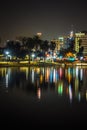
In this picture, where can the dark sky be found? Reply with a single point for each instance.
(51, 17)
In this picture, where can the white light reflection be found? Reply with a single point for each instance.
(6, 80)
(70, 93)
(79, 97)
(81, 74)
(32, 76)
(54, 75)
(43, 71)
(77, 72)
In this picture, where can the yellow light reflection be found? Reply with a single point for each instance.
(76, 86)
(67, 91)
(47, 74)
(25, 69)
(69, 76)
(3, 72)
(21, 62)
(38, 70)
(41, 78)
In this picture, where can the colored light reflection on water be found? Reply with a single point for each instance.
(54, 91)
(64, 78)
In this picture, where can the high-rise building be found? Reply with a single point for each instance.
(59, 43)
(81, 41)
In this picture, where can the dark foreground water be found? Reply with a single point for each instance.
(51, 96)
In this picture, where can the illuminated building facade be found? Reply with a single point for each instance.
(59, 43)
(83, 38)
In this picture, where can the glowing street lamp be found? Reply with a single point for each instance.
(33, 55)
(7, 52)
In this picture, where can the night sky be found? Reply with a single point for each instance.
(51, 17)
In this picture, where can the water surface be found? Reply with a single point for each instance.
(44, 95)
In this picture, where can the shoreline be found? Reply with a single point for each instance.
(42, 64)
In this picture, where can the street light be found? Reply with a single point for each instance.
(7, 54)
(33, 55)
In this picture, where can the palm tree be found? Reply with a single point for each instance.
(29, 45)
(37, 42)
(52, 46)
(44, 47)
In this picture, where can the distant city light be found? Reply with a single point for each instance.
(71, 34)
(39, 34)
(33, 55)
(7, 52)
(81, 58)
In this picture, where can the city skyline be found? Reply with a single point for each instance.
(51, 18)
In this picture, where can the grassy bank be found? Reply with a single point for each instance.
(14, 64)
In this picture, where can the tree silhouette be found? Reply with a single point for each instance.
(44, 47)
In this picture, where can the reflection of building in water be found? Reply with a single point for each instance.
(81, 74)
(64, 81)
(47, 74)
(76, 82)
(70, 93)
(6, 80)
(60, 73)
(75, 86)
(3, 72)
(26, 70)
(8, 74)
(51, 75)
(39, 93)
(60, 87)
(41, 78)
(32, 76)
(86, 95)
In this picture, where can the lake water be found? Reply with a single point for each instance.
(44, 95)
